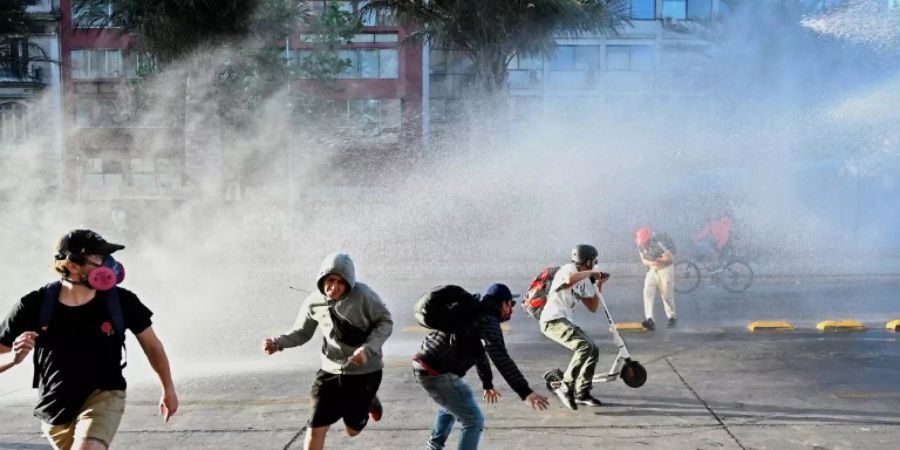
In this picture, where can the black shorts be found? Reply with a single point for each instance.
(343, 396)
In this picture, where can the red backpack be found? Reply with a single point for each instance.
(536, 297)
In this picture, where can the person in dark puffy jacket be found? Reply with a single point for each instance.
(444, 358)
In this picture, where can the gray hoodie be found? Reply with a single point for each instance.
(360, 306)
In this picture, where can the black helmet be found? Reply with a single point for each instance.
(583, 253)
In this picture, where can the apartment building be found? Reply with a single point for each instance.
(377, 98)
(657, 55)
(30, 92)
(375, 108)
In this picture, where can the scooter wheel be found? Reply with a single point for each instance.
(634, 374)
(553, 377)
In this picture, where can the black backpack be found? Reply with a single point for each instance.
(51, 296)
(667, 242)
(446, 308)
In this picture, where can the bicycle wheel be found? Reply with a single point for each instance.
(736, 276)
(687, 276)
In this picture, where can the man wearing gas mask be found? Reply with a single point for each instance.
(76, 326)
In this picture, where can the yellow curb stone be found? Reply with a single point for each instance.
(770, 325)
(840, 325)
(893, 325)
(630, 326)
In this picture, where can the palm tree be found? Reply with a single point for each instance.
(492, 32)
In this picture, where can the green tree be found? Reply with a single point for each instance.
(491, 33)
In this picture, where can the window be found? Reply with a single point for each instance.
(87, 64)
(135, 62)
(388, 63)
(525, 72)
(630, 57)
(351, 71)
(370, 63)
(372, 116)
(588, 57)
(382, 19)
(100, 112)
(564, 59)
(642, 58)
(526, 63)
(643, 9)
(94, 165)
(676, 9)
(97, 15)
(143, 175)
(458, 62)
(683, 58)
(342, 5)
(369, 38)
(699, 9)
(13, 121)
(618, 57)
(83, 113)
(577, 58)
(437, 61)
(452, 62)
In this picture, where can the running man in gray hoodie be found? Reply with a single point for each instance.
(355, 323)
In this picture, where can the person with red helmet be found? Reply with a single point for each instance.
(657, 252)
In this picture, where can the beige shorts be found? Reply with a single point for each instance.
(98, 419)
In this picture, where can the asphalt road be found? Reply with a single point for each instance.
(712, 384)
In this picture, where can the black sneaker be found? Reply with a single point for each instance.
(671, 322)
(649, 324)
(375, 409)
(566, 395)
(588, 400)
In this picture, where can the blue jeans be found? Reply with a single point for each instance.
(457, 403)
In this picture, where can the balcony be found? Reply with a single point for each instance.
(21, 74)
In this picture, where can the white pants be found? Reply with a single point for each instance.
(662, 280)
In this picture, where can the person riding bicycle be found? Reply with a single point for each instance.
(715, 238)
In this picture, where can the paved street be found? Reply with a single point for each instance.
(712, 384)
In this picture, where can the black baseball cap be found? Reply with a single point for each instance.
(84, 242)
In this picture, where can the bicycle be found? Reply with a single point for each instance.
(734, 275)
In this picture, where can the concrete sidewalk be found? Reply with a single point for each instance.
(720, 389)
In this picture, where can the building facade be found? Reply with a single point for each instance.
(30, 92)
(377, 98)
(657, 55)
(375, 106)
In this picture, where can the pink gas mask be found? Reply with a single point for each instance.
(105, 276)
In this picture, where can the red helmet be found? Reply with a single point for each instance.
(642, 236)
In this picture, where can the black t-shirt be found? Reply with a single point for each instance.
(78, 353)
